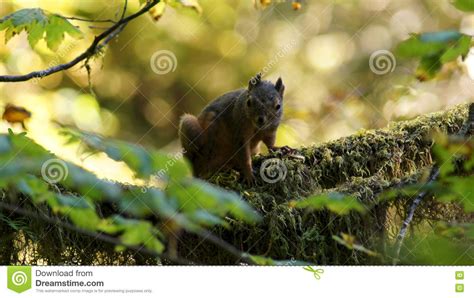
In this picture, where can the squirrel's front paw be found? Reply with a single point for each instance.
(283, 149)
(249, 179)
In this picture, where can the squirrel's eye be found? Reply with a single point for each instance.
(248, 103)
(277, 107)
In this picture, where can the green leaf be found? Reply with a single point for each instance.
(108, 226)
(55, 30)
(5, 145)
(428, 68)
(73, 201)
(205, 218)
(32, 20)
(36, 22)
(187, 203)
(460, 48)
(36, 188)
(143, 162)
(461, 190)
(170, 167)
(470, 231)
(430, 249)
(141, 233)
(155, 245)
(441, 37)
(198, 194)
(444, 158)
(416, 47)
(158, 203)
(336, 202)
(434, 49)
(84, 218)
(464, 5)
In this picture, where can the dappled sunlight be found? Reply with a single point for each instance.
(322, 53)
(80, 110)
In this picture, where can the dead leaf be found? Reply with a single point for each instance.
(14, 114)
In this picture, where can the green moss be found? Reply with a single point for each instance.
(364, 165)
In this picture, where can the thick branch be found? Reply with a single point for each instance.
(363, 165)
(89, 52)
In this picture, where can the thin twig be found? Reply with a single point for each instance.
(90, 51)
(403, 230)
(97, 27)
(90, 21)
(124, 9)
(465, 130)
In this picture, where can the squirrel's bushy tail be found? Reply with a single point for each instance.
(190, 135)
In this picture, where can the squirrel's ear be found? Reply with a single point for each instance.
(255, 81)
(280, 87)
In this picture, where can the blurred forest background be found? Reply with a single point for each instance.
(321, 51)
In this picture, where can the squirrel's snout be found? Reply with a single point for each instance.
(260, 120)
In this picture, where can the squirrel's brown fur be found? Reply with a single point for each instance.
(228, 131)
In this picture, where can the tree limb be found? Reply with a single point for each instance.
(99, 42)
(362, 165)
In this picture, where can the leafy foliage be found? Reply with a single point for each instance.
(465, 5)
(456, 159)
(434, 50)
(447, 243)
(336, 202)
(186, 203)
(39, 24)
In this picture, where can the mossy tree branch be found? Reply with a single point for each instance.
(363, 165)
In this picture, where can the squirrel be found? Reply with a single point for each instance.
(228, 131)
